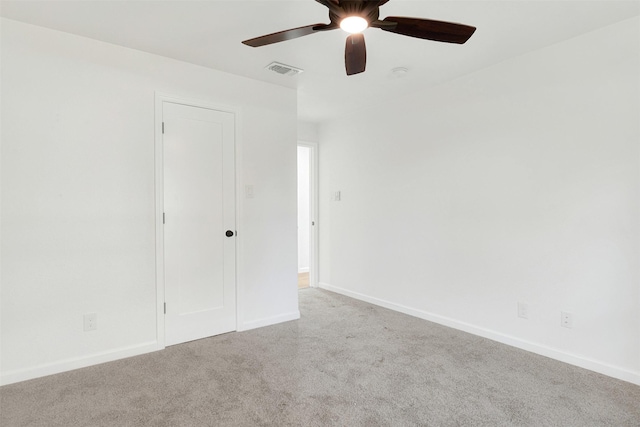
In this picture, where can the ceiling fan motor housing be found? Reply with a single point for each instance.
(355, 8)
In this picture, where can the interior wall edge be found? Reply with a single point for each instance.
(553, 353)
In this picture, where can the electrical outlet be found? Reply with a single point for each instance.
(523, 310)
(90, 322)
(566, 319)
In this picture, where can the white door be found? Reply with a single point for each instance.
(199, 208)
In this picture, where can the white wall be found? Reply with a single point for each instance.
(307, 132)
(517, 183)
(304, 163)
(78, 197)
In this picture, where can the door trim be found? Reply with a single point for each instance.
(159, 201)
(313, 199)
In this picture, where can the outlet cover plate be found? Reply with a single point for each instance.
(523, 310)
(566, 319)
(90, 322)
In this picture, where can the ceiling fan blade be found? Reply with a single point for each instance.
(284, 35)
(326, 27)
(439, 31)
(355, 54)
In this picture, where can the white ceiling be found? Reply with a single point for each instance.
(209, 33)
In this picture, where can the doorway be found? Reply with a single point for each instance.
(197, 260)
(307, 223)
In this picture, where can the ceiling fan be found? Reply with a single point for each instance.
(354, 16)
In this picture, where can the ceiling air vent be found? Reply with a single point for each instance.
(285, 70)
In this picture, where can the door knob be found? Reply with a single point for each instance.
(229, 233)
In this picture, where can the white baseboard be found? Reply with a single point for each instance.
(18, 375)
(268, 321)
(572, 359)
(303, 270)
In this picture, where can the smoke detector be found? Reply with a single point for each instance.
(285, 70)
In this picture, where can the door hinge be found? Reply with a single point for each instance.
(162, 127)
(165, 308)
(163, 218)
(313, 223)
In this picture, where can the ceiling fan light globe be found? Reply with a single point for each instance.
(354, 24)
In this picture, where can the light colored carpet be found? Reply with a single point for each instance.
(344, 363)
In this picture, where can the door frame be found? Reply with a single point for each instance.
(313, 211)
(160, 98)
